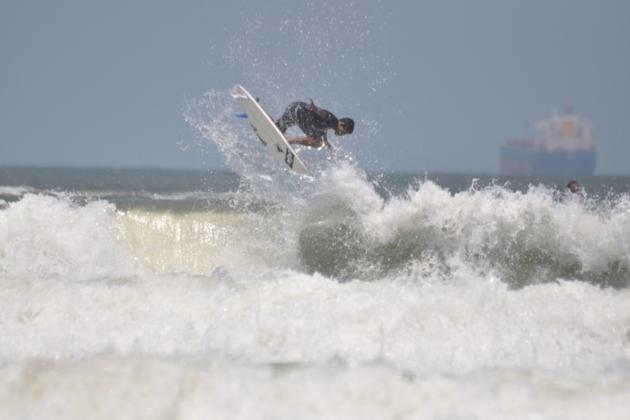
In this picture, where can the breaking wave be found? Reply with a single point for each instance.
(344, 230)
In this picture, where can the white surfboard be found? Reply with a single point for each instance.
(267, 131)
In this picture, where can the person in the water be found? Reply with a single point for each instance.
(314, 122)
(573, 186)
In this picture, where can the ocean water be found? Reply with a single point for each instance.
(257, 294)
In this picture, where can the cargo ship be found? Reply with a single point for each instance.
(564, 146)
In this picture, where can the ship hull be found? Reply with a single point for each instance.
(572, 164)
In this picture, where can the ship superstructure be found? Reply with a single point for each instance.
(564, 146)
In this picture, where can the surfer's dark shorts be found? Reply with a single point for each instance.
(298, 113)
(291, 116)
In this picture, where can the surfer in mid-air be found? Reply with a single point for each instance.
(314, 122)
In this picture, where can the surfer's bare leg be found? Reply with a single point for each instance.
(306, 141)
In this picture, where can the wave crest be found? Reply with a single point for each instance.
(530, 237)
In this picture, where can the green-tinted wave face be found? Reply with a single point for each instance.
(523, 237)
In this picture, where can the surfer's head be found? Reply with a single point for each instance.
(344, 126)
(573, 186)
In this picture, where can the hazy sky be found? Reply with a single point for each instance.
(433, 85)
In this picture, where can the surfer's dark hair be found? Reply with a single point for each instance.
(348, 123)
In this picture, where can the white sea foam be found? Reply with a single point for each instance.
(339, 350)
(44, 237)
(114, 387)
(16, 191)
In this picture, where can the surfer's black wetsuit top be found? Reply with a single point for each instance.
(312, 121)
